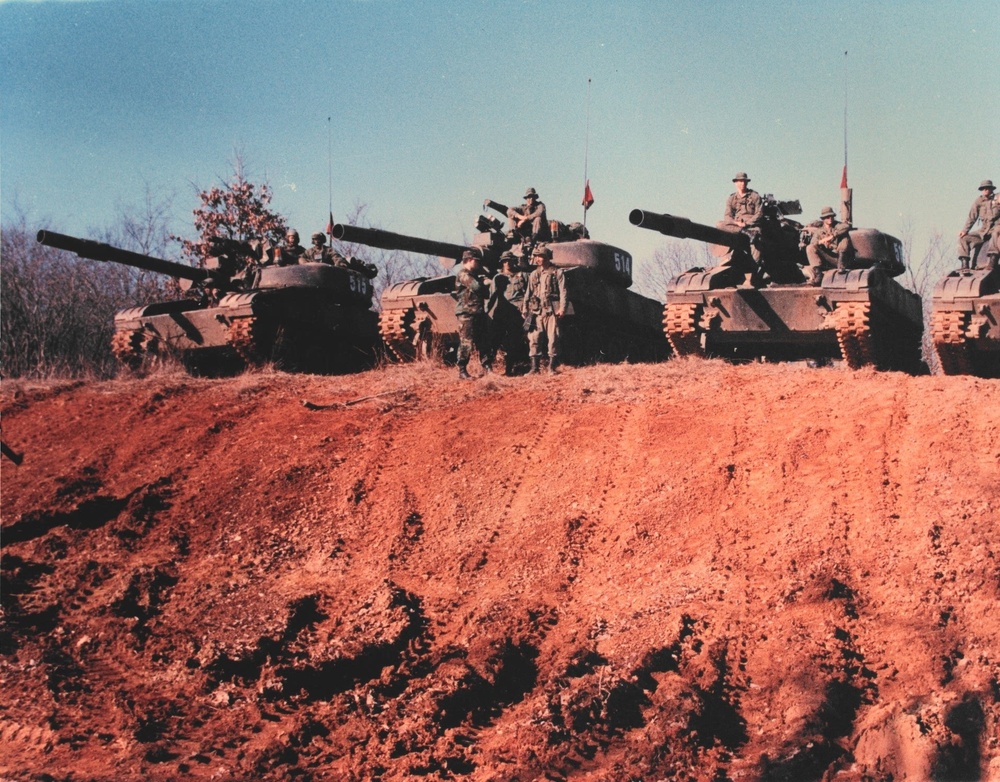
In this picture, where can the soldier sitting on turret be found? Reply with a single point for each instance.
(291, 251)
(744, 210)
(528, 222)
(986, 211)
(828, 245)
(319, 252)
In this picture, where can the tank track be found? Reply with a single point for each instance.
(129, 347)
(680, 324)
(246, 336)
(853, 325)
(398, 332)
(950, 334)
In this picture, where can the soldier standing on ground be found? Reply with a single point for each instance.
(544, 304)
(472, 291)
(505, 311)
(529, 221)
(986, 211)
(829, 245)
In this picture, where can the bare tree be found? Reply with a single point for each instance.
(57, 311)
(672, 258)
(923, 274)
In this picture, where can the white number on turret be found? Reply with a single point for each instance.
(623, 263)
(359, 285)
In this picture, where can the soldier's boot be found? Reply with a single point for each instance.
(463, 372)
(508, 366)
(963, 264)
(536, 363)
(991, 262)
(553, 365)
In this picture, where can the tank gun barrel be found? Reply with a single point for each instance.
(99, 251)
(376, 237)
(682, 228)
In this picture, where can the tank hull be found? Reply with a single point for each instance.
(308, 318)
(965, 323)
(861, 316)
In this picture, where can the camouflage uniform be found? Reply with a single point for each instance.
(742, 213)
(544, 297)
(290, 253)
(317, 255)
(986, 211)
(471, 292)
(319, 252)
(829, 246)
(505, 313)
(536, 227)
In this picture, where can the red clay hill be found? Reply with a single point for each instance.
(687, 571)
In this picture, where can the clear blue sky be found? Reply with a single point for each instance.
(436, 106)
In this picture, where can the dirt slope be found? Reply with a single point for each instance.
(688, 571)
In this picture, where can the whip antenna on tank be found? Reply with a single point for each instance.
(846, 196)
(329, 172)
(588, 197)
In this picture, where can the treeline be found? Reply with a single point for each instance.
(57, 311)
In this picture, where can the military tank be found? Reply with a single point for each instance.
(965, 310)
(761, 308)
(605, 321)
(242, 311)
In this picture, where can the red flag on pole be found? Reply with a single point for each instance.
(588, 197)
(843, 179)
(329, 227)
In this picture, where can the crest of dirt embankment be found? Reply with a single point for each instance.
(686, 571)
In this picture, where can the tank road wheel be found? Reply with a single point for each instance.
(399, 332)
(950, 331)
(251, 339)
(129, 347)
(680, 324)
(851, 320)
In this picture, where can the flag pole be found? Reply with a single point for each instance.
(586, 154)
(846, 196)
(329, 170)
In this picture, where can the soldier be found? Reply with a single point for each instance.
(291, 251)
(504, 310)
(743, 212)
(744, 208)
(472, 291)
(828, 245)
(528, 221)
(319, 252)
(986, 211)
(544, 303)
